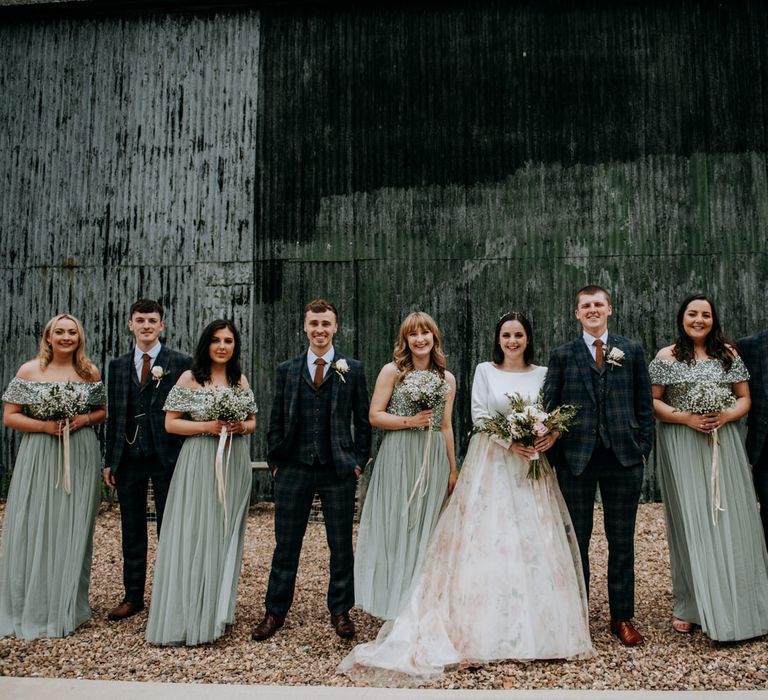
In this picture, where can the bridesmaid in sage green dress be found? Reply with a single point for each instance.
(415, 469)
(45, 553)
(717, 552)
(201, 543)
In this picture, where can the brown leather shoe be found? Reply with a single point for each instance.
(344, 627)
(124, 610)
(626, 632)
(267, 627)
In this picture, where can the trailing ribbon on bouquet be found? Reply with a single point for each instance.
(714, 479)
(422, 480)
(64, 461)
(220, 471)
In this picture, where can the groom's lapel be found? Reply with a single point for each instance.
(583, 360)
(304, 373)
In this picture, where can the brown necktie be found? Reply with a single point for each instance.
(319, 364)
(598, 353)
(145, 359)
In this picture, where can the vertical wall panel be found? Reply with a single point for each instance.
(127, 164)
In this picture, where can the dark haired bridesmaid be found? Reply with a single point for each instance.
(716, 548)
(201, 544)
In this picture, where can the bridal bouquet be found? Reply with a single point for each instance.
(526, 422)
(427, 389)
(61, 402)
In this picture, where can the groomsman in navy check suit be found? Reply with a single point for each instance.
(138, 448)
(606, 375)
(311, 448)
(754, 352)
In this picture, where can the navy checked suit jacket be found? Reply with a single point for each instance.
(349, 406)
(120, 374)
(754, 352)
(628, 403)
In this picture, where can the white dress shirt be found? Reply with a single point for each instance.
(590, 341)
(328, 357)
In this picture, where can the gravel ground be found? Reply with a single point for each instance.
(306, 650)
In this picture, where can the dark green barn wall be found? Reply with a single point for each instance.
(462, 161)
(468, 161)
(127, 168)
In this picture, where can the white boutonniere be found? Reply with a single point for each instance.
(614, 356)
(158, 373)
(341, 368)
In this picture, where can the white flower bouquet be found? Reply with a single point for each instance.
(61, 402)
(231, 405)
(427, 389)
(707, 397)
(527, 422)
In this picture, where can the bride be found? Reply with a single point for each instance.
(502, 577)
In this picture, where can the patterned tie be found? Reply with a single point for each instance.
(598, 353)
(319, 364)
(145, 359)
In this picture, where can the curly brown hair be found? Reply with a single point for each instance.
(401, 354)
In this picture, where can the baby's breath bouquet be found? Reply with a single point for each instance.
(231, 405)
(427, 389)
(60, 402)
(707, 397)
(703, 398)
(527, 422)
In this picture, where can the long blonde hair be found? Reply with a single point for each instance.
(80, 360)
(401, 355)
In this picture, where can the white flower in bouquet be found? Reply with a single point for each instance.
(527, 422)
(708, 397)
(231, 405)
(61, 402)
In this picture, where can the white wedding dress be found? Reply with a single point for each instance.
(502, 576)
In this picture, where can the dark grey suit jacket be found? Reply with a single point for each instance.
(120, 374)
(628, 402)
(349, 407)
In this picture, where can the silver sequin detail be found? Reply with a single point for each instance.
(196, 403)
(680, 378)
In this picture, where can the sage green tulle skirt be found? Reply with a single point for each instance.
(47, 540)
(719, 568)
(201, 546)
(393, 535)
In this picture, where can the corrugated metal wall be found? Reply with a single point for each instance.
(463, 161)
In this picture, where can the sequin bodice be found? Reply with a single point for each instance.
(400, 404)
(202, 404)
(38, 398)
(680, 378)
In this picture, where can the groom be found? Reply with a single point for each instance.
(606, 375)
(319, 395)
(138, 448)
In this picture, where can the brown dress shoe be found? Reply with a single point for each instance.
(626, 632)
(344, 627)
(125, 609)
(267, 627)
